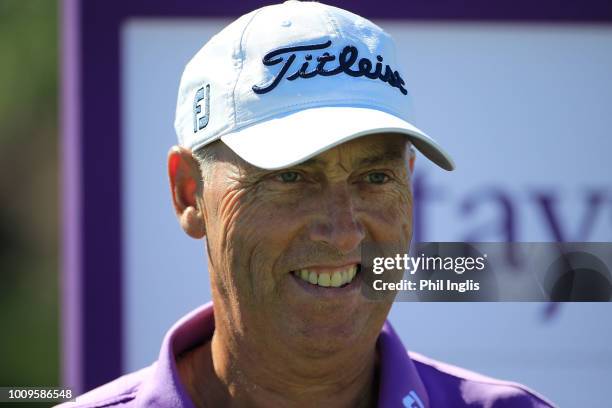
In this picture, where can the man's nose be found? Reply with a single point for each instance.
(337, 224)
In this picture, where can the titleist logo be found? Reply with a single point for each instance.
(346, 64)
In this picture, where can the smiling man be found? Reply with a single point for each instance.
(295, 153)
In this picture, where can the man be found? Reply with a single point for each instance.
(294, 154)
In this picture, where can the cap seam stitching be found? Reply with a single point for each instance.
(241, 51)
(330, 20)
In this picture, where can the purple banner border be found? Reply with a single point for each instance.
(70, 281)
(91, 165)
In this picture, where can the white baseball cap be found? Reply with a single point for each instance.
(286, 82)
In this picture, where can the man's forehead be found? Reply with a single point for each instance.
(364, 151)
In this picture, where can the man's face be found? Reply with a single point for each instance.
(268, 232)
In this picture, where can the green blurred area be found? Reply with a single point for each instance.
(29, 183)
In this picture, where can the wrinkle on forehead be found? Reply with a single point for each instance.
(355, 159)
(362, 152)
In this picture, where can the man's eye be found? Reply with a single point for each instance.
(289, 176)
(377, 177)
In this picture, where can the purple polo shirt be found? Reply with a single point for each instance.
(407, 379)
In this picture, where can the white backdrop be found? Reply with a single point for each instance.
(526, 111)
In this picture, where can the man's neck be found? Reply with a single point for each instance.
(216, 375)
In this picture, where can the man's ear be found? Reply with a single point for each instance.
(185, 188)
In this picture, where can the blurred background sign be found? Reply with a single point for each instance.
(519, 92)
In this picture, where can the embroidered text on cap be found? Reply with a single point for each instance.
(347, 57)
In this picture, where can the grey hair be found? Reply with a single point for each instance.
(206, 156)
(411, 149)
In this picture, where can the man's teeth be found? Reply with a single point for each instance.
(326, 279)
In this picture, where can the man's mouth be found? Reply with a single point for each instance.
(328, 277)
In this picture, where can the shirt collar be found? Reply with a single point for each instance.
(400, 384)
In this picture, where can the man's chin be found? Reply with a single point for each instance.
(322, 320)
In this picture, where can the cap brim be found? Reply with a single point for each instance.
(294, 137)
